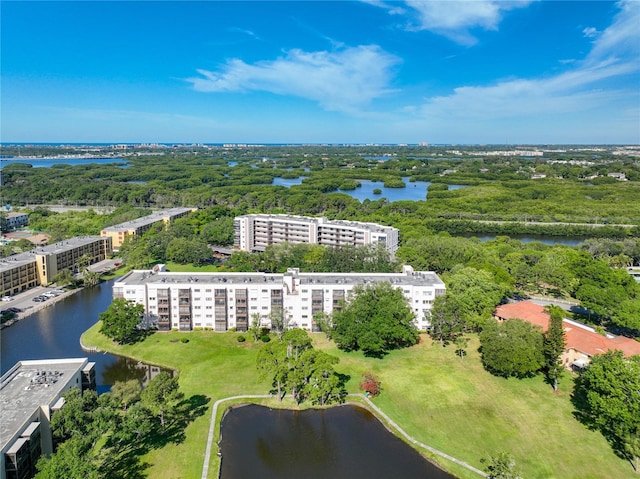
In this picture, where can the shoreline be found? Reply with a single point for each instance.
(36, 307)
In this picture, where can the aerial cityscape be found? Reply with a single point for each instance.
(346, 239)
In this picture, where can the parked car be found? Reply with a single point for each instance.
(7, 298)
(39, 299)
(14, 310)
(49, 294)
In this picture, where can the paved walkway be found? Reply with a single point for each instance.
(378, 411)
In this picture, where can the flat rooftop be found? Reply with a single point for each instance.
(416, 278)
(29, 385)
(147, 220)
(321, 221)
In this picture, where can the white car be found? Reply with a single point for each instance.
(7, 298)
(49, 294)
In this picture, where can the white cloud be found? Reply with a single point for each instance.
(345, 80)
(453, 18)
(589, 32)
(584, 86)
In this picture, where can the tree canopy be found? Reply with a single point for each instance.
(376, 319)
(512, 348)
(120, 320)
(607, 396)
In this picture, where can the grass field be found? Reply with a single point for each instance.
(439, 399)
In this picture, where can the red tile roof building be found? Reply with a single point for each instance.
(582, 341)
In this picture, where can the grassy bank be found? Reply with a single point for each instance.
(447, 403)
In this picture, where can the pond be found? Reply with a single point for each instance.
(343, 442)
(54, 332)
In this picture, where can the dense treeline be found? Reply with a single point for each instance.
(497, 188)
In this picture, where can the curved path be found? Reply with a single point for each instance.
(214, 412)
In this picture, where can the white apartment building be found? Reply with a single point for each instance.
(256, 232)
(220, 301)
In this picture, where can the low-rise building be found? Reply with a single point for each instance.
(118, 233)
(39, 266)
(582, 341)
(12, 221)
(30, 392)
(256, 232)
(220, 301)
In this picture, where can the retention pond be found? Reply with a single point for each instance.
(344, 442)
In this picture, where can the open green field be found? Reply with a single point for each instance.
(439, 399)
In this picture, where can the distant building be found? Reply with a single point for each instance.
(13, 221)
(256, 232)
(30, 393)
(118, 233)
(582, 341)
(220, 301)
(618, 176)
(39, 266)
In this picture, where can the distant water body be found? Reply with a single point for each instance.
(49, 162)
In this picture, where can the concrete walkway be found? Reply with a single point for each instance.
(376, 409)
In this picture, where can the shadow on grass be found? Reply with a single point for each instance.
(128, 465)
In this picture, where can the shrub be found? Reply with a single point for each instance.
(241, 339)
(370, 384)
(184, 340)
(265, 338)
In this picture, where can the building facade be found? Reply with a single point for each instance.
(256, 232)
(221, 301)
(30, 392)
(39, 266)
(118, 233)
(12, 221)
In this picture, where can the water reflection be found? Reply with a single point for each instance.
(54, 332)
(345, 442)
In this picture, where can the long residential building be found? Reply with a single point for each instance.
(30, 392)
(118, 233)
(40, 266)
(257, 231)
(221, 301)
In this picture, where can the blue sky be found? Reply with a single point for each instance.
(475, 71)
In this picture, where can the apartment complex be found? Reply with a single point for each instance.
(220, 301)
(12, 221)
(39, 266)
(139, 226)
(256, 232)
(30, 393)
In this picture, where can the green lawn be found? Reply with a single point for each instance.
(447, 403)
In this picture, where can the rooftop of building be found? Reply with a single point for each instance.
(319, 221)
(14, 260)
(579, 337)
(16, 215)
(409, 277)
(29, 385)
(147, 220)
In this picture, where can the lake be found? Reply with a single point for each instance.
(342, 442)
(414, 191)
(54, 332)
(49, 162)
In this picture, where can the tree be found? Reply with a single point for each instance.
(64, 278)
(501, 466)
(120, 320)
(607, 395)
(126, 393)
(90, 278)
(512, 348)
(162, 395)
(295, 367)
(370, 384)
(461, 343)
(447, 321)
(375, 320)
(554, 345)
(70, 462)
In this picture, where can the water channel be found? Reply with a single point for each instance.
(54, 333)
(346, 442)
